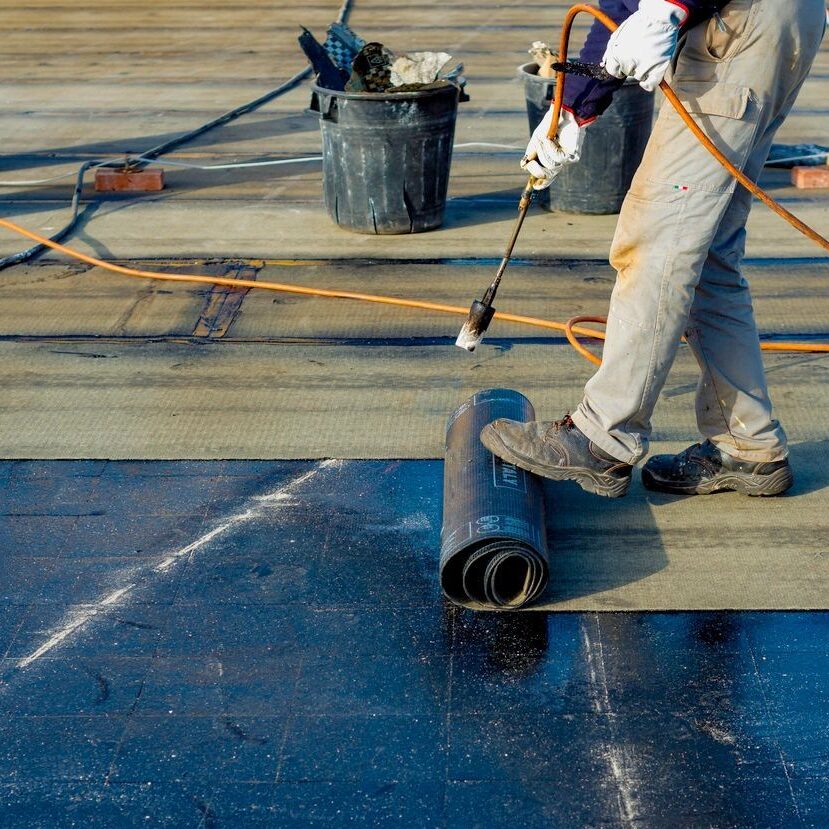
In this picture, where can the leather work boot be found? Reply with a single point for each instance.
(703, 469)
(559, 451)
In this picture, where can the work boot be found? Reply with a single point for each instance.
(703, 469)
(559, 451)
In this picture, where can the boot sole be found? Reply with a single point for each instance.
(590, 481)
(775, 483)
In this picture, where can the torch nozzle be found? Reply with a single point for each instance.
(480, 315)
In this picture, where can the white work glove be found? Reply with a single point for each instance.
(642, 47)
(544, 158)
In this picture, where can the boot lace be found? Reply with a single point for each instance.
(565, 423)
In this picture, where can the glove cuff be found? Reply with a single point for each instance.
(666, 12)
(580, 121)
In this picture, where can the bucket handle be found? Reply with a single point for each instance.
(324, 105)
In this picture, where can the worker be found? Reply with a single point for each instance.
(737, 67)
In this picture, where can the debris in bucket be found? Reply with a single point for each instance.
(347, 63)
(343, 45)
(371, 70)
(545, 57)
(418, 67)
(329, 74)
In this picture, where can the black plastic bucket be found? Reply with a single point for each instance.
(613, 147)
(386, 157)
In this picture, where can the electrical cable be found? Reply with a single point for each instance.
(168, 146)
(236, 165)
(23, 255)
(38, 182)
(775, 162)
(275, 162)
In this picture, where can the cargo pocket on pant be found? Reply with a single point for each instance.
(717, 40)
(728, 114)
(723, 33)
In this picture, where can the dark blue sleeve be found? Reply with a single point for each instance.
(587, 98)
(584, 97)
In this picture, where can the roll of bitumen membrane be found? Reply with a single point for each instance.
(493, 543)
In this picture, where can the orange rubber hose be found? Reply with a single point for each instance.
(570, 328)
(282, 287)
(709, 145)
(571, 337)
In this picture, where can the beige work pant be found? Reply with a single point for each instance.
(681, 237)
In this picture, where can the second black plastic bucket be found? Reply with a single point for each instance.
(613, 147)
(386, 157)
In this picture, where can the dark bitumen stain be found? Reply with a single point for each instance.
(242, 735)
(381, 342)
(384, 789)
(88, 356)
(145, 295)
(485, 261)
(795, 336)
(783, 262)
(223, 303)
(103, 686)
(139, 625)
(93, 514)
(263, 571)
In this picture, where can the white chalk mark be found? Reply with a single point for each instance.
(776, 742)
(114, 597)
(280, 496)
(81, 615)
(600, 695)
(231, 522)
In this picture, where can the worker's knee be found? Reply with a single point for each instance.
(644, 230)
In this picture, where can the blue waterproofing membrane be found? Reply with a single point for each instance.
(299, 668)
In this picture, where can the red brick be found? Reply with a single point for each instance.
(135, 181)
(807, 178)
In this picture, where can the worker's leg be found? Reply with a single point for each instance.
(733, 406)
(738, 85)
